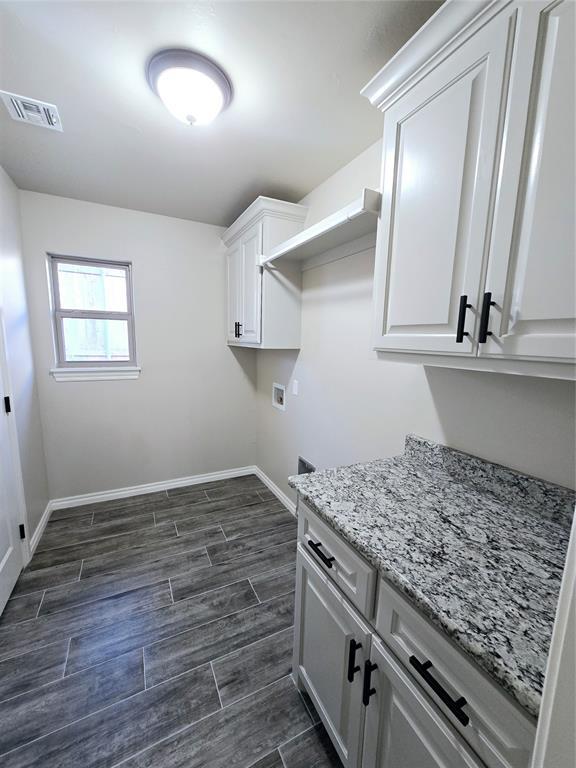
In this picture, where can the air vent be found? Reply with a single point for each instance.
(27, 110)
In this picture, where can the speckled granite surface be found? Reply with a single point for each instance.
(478, 548)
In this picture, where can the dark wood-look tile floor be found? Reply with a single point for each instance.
(156, 632)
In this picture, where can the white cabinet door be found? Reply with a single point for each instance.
(532, 269)
(402, 728)
(251, 281)
(331, 645)
(11, 559)
(234, 280)
(440, 140)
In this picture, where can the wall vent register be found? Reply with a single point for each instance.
(32, 111)
(305, 467)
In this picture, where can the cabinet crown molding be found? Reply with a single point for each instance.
(260, 208)
(448, 23)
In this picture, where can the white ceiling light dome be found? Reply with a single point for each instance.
(192, 87)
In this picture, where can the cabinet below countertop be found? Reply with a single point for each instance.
(391, 684)
(453, 565)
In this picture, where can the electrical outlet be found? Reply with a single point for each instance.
(295, 386)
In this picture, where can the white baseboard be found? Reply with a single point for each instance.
(37, 535)
(284, 498)
(163, 485)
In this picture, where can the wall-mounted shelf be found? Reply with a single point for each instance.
(348, 224)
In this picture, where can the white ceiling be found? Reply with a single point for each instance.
(296, 116)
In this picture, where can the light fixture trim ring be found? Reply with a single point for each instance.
(169, 58)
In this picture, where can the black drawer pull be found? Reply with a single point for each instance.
(367, 691)
(235, 330)
(240, 326)
(352, 666)
(460, 332)
(483, 333)
(455, 706)
(316, 548)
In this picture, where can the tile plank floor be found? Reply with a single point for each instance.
(156, 632)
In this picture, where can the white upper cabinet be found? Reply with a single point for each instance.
(234, 286)
(532, 266)
(475, 250)
(263, 301)
(251, 285)
(439, 145)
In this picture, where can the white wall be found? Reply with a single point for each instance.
(19, 352)
(353, 406)
(345, 185)
(192, 409)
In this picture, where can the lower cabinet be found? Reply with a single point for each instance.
(402, 728)
(331, 648)
(375, 714)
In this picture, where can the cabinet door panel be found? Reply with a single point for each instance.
(251, 245)
(325, 627)
(440, 140)
(234, 285)
(403, 728)
(431, 158)
(532, 273)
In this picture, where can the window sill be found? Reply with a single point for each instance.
(95, 374)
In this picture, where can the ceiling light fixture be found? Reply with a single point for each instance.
(193, 88)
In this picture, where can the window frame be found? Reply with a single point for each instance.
(59, 314)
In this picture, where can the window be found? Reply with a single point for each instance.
(93, 317)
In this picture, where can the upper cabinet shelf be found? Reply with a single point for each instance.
(355, 220)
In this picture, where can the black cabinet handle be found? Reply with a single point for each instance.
(483, 333)
(367, 691)
(352, 666)
(460, 332)
(316, 548)
(455, 706)
(235, 330)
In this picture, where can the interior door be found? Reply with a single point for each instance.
(532, 268)
(403, 728)
(251, 245)
(234, 283)
(330, 647)
(11, 560)
(440, 140)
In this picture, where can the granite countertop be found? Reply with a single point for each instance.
(478, 548)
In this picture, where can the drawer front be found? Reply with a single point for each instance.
(338, 560)
(498, 730)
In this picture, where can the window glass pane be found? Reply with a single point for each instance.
(88, 340)
(87, 286)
